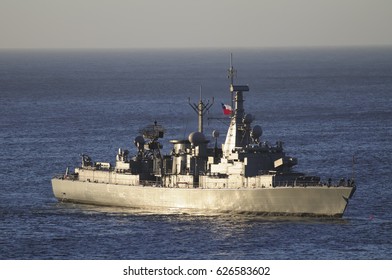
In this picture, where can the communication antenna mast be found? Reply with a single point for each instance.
(231, 73)
(200, 109)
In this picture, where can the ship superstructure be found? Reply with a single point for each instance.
(245, 175)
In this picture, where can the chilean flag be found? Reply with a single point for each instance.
(227, 110)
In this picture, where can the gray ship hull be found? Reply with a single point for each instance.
(310, 200)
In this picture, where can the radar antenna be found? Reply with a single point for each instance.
(152, 148)
(200, 109)
(153, 131)
(231, 74)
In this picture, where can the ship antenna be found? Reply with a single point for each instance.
(231, 74)
(200, 108)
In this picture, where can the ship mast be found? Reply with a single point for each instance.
(231, 73)
(200, 109)
(238, 134)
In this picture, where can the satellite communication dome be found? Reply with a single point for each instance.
(196, 138)
(215, 133)
(256, 132)
(248, 118)
(139, 141)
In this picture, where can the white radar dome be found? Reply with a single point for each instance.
(196, 138)
(256, 132)
(139, 141)
(248, 118)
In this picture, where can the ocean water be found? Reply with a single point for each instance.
(328, 106)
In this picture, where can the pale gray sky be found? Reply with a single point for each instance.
(193, 23)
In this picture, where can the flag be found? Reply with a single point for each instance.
(227, 110)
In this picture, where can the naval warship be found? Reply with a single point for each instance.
(244, 175)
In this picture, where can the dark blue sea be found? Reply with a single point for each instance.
(328, 106)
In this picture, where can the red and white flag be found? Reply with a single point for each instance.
(227, 110)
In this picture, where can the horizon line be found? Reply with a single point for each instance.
(206, 48)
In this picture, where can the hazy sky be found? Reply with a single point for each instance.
(193, 23)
